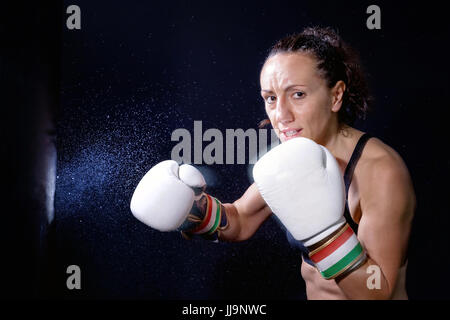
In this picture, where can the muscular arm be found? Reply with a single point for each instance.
(387, 204)
(245, 215)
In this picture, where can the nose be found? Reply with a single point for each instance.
(283, 112)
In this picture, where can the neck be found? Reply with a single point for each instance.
(341, 141)
(331, 139)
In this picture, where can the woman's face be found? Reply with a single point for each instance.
(297, 99)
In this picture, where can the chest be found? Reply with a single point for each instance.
(354, 198)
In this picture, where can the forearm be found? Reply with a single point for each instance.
(367, 282)
(242, 223)
(233, 228)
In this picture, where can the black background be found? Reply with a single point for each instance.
(136, 71)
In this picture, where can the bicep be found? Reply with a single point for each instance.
(387, 207)
(251, 202)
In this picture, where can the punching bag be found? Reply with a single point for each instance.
(29, 73)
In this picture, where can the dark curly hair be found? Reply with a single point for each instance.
(335, 61)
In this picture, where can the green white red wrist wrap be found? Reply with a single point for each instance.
(213, 217)
(341, 251)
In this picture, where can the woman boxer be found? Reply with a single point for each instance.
(313, 88)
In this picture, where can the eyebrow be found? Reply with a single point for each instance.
(285, 89)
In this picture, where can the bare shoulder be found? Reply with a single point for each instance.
(381, 161)
(384, 177)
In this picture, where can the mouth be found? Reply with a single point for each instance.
(289, 134)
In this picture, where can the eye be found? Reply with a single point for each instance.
(270, 99)
(298, 95)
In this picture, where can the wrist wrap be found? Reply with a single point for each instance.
(337, 253)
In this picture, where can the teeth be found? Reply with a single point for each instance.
(290, 133)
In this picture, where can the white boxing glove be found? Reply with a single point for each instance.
(302, 184)
(166, 199)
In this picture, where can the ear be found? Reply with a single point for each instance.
(337, 95)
